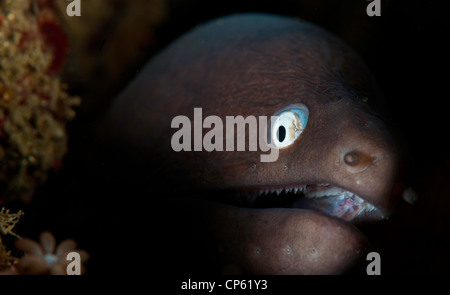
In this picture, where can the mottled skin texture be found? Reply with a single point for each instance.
(255, 65)
(279, 241)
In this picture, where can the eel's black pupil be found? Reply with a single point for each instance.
(281, 133)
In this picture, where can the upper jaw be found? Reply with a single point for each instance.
(326, 198)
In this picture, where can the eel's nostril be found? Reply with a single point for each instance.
(351, 159)
(358, 161)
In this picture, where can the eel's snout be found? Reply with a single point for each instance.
(372, 173)
(367, 161)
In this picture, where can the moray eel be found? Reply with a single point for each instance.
(227, 211)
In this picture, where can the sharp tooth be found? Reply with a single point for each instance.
(326, 192)
(278, 192)
(295, 190)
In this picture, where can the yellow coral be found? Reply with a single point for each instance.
(34, 106)
(7, 222)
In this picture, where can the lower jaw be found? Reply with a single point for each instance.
(260, 237)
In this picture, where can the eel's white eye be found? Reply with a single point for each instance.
(290, 123)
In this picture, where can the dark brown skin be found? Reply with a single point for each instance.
(276, 241)
(255, 65)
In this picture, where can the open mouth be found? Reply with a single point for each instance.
(326, 198)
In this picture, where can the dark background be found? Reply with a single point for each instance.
(407, 50)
